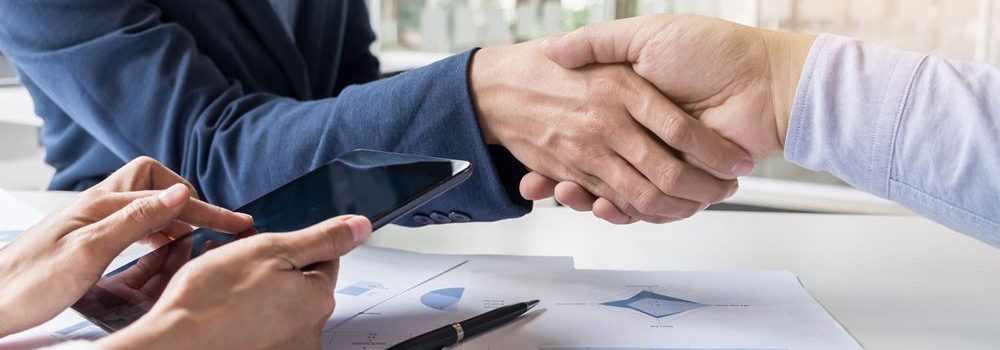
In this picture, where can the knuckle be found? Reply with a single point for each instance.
(591, 183)
(624, 206)
(140, 210)
(94, 196)
(144, 162)
(596, 123)
(676, 131)
(91, 204)
(647, 200)
(669, 177)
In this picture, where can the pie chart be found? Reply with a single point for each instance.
(443, 299)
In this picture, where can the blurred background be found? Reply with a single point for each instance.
(413, 33)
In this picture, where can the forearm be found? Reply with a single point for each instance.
(918, 130)
(268, 141)
(171, 102)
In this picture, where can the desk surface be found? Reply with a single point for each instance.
(895, 282)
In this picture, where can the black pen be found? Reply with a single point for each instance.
(456, 332)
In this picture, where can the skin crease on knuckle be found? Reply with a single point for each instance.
(91, 201)
(647, 202)
(139, 210)
(278, 249)
(668, 178)
(676, 131)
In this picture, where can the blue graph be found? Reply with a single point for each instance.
(655, 305)
(361, 287)
(443, 299)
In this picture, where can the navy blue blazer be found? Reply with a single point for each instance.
(217, 91)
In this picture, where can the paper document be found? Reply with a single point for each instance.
(15, 217)
(370, 276)
(430, 305)
(386, 296)
(589, 309)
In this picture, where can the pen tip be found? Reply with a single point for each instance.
(531, 303)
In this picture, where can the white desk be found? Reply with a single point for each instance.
(895, 282)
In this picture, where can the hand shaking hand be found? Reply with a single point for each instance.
(736, 80)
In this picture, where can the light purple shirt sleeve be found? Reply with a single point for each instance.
(915, 129)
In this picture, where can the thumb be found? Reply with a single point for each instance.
(324, 241)
(140, 218)
(609, 42)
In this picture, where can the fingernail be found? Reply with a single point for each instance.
(743, 167)
(361, 228)
(173, 196)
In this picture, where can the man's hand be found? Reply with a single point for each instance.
(52, 264)
(737, 80)
(605, 128)
(263, 292)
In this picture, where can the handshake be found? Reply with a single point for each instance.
(649, 118)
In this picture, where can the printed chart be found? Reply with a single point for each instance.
(654, 304)
(445, 299)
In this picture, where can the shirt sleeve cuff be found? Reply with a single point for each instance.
(847, 110)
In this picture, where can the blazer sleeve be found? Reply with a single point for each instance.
(139, 86)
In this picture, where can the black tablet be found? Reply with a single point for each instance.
(379, 185)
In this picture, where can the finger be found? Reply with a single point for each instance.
(639, 197)
(139, 218)
(325, 241)
(143, 173)
(196, 212)
(669, 174)
(535, 186)
(610, 42)
(168, 234)
(599, 188)
(606, 210)
(676, 128)
(574, 196)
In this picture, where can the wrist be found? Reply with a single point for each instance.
(484, 89)
(151, 332)
(787, 53)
